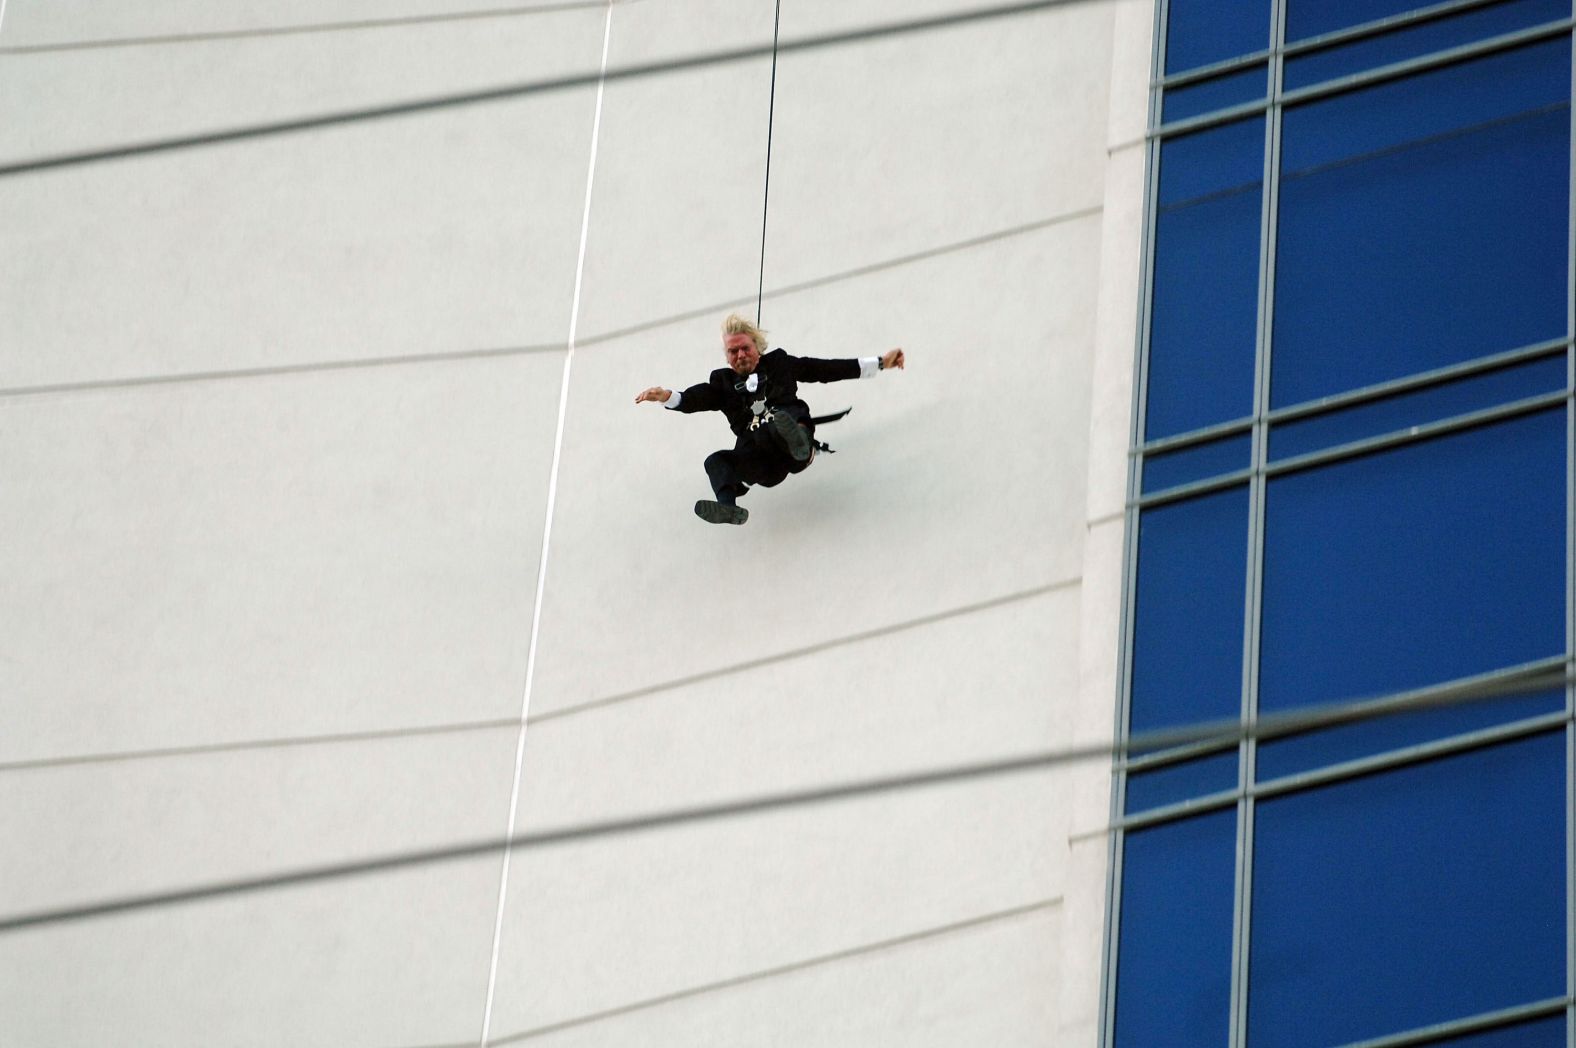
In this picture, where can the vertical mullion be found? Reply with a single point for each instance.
(1248, 751)
(1117, 839)
(1570, 578)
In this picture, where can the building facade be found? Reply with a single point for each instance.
(331, 530)
(1239, 341)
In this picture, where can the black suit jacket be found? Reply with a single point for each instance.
(780, 375)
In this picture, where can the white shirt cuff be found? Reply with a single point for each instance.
(869, 367)
(673, 402)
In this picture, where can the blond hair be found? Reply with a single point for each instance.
(737, 325)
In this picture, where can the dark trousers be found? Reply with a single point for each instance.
(757, 458)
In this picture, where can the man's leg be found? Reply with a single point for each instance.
(723, 470)
(790, 432)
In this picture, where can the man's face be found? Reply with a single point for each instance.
(741, 352)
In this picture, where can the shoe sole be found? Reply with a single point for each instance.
(720, 513)
(795, 437)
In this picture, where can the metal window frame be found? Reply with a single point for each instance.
(1481, 1023)
(1526, 673)
(1355, 768)
(1366, 78)
(1334, 38)
(1363, 394)
(1570, 589)
(1106, 1027)
(1364, 446)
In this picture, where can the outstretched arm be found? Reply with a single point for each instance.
(700, 397)
(814, 369)
(870, 367)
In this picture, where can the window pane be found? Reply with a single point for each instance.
(1182, 781)
(1201, 32)
(1187, 643)
(1305, 18)
(1423, 222)
(1403, 410)
(1206, 96)
(1416, 896)
(1415, 565)
(1171, 469)
(1173, 981)
(1204, 316)
(1278, 758)
(1424, 38)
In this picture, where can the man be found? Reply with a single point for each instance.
(759, 394)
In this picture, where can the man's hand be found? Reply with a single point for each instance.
(892, 359)
(659, 394)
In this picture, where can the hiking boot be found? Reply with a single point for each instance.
(720, 512)
(794, 437)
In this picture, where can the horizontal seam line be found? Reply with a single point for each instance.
(796, 653)
(306, 28)
(609, 336)
(787, 969)
(437, 357)
(281, 742)
(286, 742)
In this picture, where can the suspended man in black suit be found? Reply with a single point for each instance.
(759, 394)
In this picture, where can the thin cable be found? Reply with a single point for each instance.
(522, 90)
(1222, 732)
(264, 32)
(766, 195)
(547, 538)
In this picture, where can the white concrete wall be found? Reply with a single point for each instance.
(278, 420)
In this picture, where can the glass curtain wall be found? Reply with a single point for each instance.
(1351, 481)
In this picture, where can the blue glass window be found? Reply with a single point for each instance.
(1173, 981)
(1204, 316)
(1181, 781)
(1420, 39)
(1219, 92)
(1416, 896)
(1203, 32)
(1415, 565)
(1403, 410)
(1420, 223)
(1170, 469)
(1423, 222)
(1187, 644)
